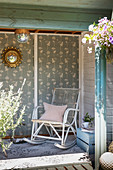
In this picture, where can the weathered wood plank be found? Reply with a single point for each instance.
(89, 77)
(98, 4)
(73, 9)
(14, 15)
(110, 111)
(87, 166)
(87, 83)
(88, 107)
(89, 64)
(70, 167)
(89, 100)
(37, 24)
(90, 88)
(39, 14)
(86, 72)
(78, 167)
(109, 127)
(60, 168)
(52, 168)
(109, 137)
(110, 119)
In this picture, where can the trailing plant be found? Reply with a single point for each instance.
(11, 115)
(101, 34)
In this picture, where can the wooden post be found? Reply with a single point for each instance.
(100, 104)
(35, 75)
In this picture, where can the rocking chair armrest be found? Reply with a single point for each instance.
(72, 109)
(34, 111)
(37, 107)
(66, 113)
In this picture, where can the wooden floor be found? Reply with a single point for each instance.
(70, 167)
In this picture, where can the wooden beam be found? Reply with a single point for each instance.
(97, 4)
(49, 25)
(54, 14)
(49, 18)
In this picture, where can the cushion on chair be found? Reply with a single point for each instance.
(53, 112)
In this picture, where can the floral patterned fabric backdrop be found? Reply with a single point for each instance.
(58, 64)
(16, 75)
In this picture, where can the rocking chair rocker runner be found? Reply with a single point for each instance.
(65, 101)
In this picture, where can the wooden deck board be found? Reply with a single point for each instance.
(60, 168)
(87, 166)
(78, 167)
(51, 168)
(70, 167)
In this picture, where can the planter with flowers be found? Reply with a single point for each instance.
(101, 35)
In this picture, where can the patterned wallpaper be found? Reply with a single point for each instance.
(16, 75)
(57, 67)
(58, 64)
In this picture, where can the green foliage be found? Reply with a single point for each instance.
(88, 118)
(9, 106)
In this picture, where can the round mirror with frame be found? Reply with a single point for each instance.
(11, 57)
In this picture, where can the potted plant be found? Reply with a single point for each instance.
(87, 120)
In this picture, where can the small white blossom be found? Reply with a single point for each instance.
(89, 49)
(89, 41)
(86, 35)
(84, 40)
(91, 27)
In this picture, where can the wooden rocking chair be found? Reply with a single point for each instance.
(66, 102)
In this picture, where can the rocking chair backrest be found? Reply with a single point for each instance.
(68, 96)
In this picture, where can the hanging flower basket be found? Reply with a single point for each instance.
(101, 34)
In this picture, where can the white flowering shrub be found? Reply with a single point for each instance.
(9, 106)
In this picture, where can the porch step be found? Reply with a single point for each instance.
(76, 161)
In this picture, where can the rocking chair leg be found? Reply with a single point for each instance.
(66, 134)
(32, 130)
(62, 141)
